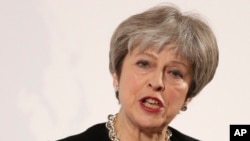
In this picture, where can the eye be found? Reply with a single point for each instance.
(143, 63)
(176, 73)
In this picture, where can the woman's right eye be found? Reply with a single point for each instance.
(143, 63)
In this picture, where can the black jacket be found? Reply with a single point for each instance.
(99, 132)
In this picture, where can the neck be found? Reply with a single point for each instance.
(126, 130)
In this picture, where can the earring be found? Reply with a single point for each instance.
(184, 108)
(116, 89)
(117, 92)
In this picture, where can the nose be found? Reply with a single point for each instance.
(156, 82)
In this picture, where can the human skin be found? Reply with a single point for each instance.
(153, 86)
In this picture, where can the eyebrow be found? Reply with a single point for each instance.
(180, 63)
(146, 53)
(151, 55)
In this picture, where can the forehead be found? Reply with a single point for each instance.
(169, 49)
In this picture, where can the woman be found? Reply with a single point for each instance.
(159, 60)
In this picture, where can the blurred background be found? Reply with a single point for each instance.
(54, 77)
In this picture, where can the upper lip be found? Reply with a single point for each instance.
(155, 98)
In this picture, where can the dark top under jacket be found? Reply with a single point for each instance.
(99, 132)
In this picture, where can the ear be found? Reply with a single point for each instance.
(115, 80)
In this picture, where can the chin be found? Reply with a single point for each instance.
(152, 128)
(151, 124)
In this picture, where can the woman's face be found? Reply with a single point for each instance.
(152, 87)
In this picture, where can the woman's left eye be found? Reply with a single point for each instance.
(176, 73)
(143, 63)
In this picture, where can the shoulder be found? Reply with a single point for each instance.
(178, 136)
(95, 133)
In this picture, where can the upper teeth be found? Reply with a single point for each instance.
(152, 101)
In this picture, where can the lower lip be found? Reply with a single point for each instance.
(150, 110)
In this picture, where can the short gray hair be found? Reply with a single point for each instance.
(162, 25)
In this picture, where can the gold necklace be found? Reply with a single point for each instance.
(112, 134)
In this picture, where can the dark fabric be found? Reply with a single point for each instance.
(99, 132)
(178, 136)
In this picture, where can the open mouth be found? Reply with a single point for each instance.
(151, 104)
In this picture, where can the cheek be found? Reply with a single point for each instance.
(177, 95)
(183, 90)
(129, 85)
